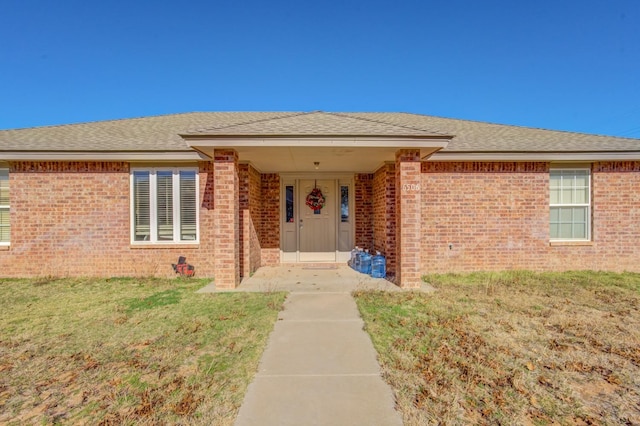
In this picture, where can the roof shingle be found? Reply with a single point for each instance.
(162, 133)
(317, 124)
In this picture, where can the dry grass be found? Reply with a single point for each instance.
(125, 351)
(512, 348)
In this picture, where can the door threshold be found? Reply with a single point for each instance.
(321, 267)
(314, 265)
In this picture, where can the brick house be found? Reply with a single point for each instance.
(229, 192)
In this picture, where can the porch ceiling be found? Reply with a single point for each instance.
(339, 156)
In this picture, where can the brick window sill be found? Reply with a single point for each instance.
(570, 243)
(165, 246)
(5, 248)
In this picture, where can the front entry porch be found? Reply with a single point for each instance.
(379, 211)
(258, 186)
(264, 219)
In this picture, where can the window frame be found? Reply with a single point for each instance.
(7, 207)
(587, 205)
(344, 190)
(153, 205)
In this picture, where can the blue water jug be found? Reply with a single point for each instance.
(352, 260)
(378, 266)
(365, 262)
(357, 260)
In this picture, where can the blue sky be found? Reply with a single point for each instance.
(561, 64)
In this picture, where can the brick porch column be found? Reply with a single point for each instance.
(408, 218)
(226, 221)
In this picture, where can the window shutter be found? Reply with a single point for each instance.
(165, 205)
(188, 206)
(141, 199)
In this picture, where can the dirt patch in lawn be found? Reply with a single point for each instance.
(512, 348)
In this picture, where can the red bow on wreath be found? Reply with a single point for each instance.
(315, 199)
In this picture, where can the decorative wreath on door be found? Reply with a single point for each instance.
(315, 199)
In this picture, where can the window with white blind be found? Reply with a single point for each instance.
(570, 204)
(5, 224)
(164, 205)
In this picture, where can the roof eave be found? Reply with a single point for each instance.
(312, 135)
(564, 156)
(354, 141)
(102, 156)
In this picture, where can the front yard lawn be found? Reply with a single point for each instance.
(512, 348)
(487, 348)
(123, 351)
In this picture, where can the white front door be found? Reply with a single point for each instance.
(317, 227)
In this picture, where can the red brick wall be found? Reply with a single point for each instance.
(72, 219)
(250, 199)
(226, 224)
(255, 197)
(243, 202)
(484, 216)
(255, 201)
(384, 220)
(201, 256)
(251, 252)
(496, 217)
(408, 217)
(364, 210)
(616, 216)
(270, 219)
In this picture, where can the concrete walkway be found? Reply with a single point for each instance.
(319, 367)
(328, 278)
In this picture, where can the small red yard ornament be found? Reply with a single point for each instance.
(183, 268)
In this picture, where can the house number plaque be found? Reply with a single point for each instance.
(410, 187)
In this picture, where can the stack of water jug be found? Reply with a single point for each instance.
(363, 262)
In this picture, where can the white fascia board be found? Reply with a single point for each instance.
(102, 156)
(535, 156)
(316, 142)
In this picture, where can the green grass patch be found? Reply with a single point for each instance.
(162, 298)
(127, 351)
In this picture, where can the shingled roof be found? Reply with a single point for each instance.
(164, 133)
(320, 123)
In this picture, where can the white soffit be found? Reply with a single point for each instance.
(298, 154)
(327, 141)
